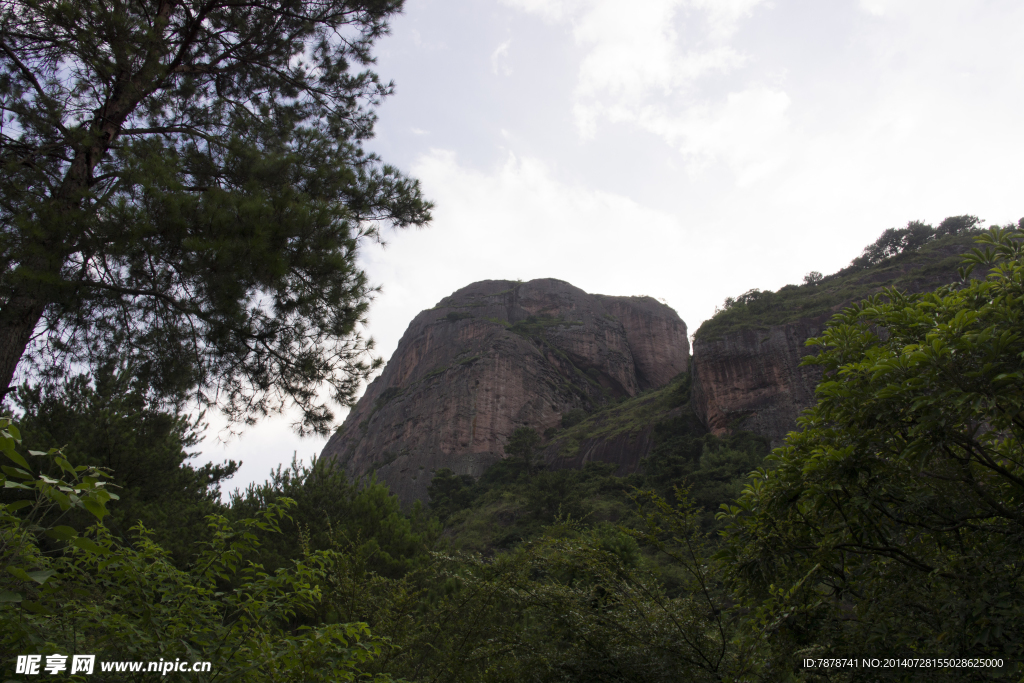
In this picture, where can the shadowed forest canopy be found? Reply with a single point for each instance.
(889, 526)
(184, 189)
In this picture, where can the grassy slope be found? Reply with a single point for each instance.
(626, 417)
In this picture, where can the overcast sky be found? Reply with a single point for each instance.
(688, 150)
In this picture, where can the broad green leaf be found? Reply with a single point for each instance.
(98, 510)
(62, 533)
(40, 576)
(35, 607)
(18, 460)
(89, 545)
(18, 573)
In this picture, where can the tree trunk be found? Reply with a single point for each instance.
(18, 320)
(34, 278)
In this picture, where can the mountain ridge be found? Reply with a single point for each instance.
(497, 355)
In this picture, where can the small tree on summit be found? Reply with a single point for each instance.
(814, 277)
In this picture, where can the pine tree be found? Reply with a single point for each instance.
(184, 189)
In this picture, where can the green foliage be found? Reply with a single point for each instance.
(713, 469)
(629, 417)
(573, 605)
(130, 603)
(46, 500)
(813, 278)
(902, 258)
(363, 520)
(510, 503)
(573, 417)
(892, 522)
(108, 423)
(450, 492)
(896, 241)
(522, 445)
(187, 190)
(514, 500)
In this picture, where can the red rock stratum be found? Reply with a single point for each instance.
(498, 355)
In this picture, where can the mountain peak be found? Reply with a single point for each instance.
(494, 356)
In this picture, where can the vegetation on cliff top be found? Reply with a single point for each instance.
(916, 256)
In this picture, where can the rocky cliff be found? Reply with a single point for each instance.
(495, 356)
(751, 379)
(746, 363)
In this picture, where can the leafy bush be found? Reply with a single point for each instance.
(573, 417)
(129, 602)
(107, 421)
(364, 519)
(892, 522)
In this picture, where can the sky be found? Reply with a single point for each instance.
(687, 150)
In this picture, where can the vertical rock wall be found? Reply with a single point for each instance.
(752, 380)
(495, 356)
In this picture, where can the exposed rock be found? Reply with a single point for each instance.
(495, 356)
(750, 378)
(659, 354)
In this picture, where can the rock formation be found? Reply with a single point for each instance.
(750, 378)
(495, 356)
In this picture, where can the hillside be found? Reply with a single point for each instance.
(934, 264)
(576, 476)
(747, 371)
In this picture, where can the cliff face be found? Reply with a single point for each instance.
(746, 371)
(495, 356)
(751, 379)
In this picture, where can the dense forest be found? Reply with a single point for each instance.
(184, 195)
(887, 526)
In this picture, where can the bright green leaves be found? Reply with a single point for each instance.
(128, 602)
(30, 501)
(893, 518)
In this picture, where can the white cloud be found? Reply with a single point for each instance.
(748, 130)
(724, 15)
(549, 10)
(881, 8)
(633, 71)
(499, 59)
(519, 221)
